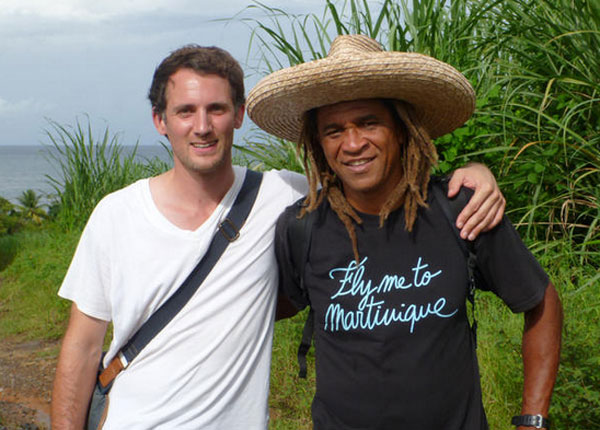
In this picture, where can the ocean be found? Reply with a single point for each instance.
(25, 167)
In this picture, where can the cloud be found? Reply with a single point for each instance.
(90, 11)
(68, 25)
(24, 106)
(85, 23)
(75, 10)
(60, 58)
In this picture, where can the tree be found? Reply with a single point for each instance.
(30, 207)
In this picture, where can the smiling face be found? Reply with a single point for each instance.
(199, 121)
(359, 140)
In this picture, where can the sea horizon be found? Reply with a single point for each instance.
(24, 167)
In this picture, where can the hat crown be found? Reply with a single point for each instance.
(357, 67)
(353, 45)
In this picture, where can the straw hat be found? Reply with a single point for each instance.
(357, 68)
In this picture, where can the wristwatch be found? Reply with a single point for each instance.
(535, 421)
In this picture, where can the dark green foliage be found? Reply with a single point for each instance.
(10, 221)
(8, 250)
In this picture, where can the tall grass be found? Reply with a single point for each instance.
(537, 77)
(550, 113)
(261, 154)
(89, 168)
(536, 71)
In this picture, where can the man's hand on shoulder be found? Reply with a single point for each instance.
(486, 208)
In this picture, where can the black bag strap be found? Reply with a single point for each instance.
(228, 231)
(306, 342)
(300, 231)
(451, 208)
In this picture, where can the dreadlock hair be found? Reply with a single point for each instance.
(417, 153)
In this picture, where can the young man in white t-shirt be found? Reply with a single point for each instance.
(209, 367)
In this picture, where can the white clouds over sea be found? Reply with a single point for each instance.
(30, 106)
(63, 58)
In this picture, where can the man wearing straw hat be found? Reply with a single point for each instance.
(209, 367)
(383, 272)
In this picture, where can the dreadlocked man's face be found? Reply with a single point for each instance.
(360, 144)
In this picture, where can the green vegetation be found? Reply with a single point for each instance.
(30, 207)
(14, 218)
(536, 71)
(90, 168)
(537, 125)
(8, 250)
(36, 246)
(29, 305)
(10, 221)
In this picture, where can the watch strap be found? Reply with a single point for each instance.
(535, 421)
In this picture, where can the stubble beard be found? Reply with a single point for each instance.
(202, 167)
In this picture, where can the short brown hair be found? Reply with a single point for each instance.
(206, 60)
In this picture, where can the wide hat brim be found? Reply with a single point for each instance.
(356, 68)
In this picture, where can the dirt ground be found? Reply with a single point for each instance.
(26, 374)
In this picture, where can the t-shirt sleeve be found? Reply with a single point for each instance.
(298, 186)
(509, 268)
(87, 280)
(289, 273)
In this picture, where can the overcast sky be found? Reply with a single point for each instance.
(62, 59)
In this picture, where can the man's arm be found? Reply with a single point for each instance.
(541, 351)
(485, 209)
(291, 296)
(285, 308)
(76, 370)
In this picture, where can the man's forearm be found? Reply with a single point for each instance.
(541, 352)
(76, 370)
(73, 386)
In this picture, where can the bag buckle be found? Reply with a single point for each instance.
(115, 367)
(229, 230)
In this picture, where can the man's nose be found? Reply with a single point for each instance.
(202, 122)
(354, 141)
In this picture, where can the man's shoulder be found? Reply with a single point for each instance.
(290, 217)
(292, 211)
(438, 190)
(286, 178)
(283, 186)
(121, 200)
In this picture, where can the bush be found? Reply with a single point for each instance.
(8, 250)
(10, 221)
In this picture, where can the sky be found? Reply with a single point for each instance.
(66, 60)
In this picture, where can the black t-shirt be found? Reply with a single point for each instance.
(393, 345)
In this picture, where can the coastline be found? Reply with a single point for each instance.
(25, 167)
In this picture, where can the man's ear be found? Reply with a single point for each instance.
(159, 122)
(239, 116)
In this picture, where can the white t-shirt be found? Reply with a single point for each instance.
(209, 367)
